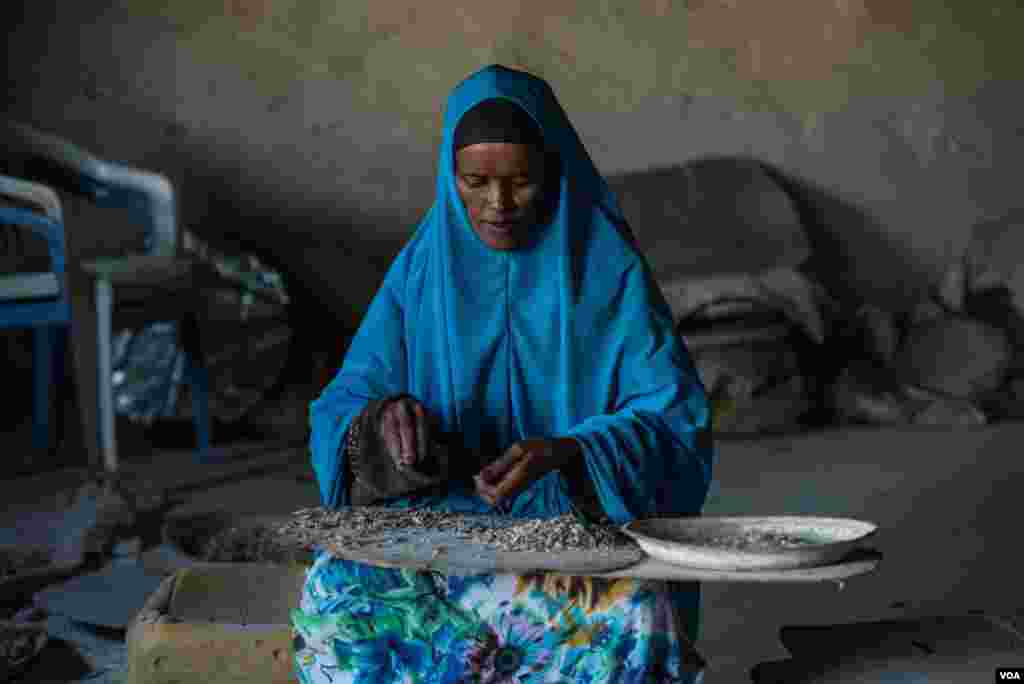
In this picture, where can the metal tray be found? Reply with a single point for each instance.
(444, 552)
(747, 543)
(182, 535)
(186, 535)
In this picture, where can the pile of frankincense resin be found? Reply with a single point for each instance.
(357, 527)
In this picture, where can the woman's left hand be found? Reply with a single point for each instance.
(523, 464)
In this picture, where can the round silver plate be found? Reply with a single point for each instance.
(749, 543)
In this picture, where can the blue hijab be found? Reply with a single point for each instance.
(568, 337)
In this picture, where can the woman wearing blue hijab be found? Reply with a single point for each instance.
(522, 322)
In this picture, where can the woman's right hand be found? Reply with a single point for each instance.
(404, 430)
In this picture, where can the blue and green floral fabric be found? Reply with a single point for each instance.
(358, 623)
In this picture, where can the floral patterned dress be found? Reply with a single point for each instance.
(358, 623)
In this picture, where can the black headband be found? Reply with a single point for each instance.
(499, 121)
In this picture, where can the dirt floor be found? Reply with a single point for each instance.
(947, 503)
(259, 477)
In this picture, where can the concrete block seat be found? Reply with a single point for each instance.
(217, 625)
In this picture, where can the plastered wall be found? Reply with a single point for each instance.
(308, 127)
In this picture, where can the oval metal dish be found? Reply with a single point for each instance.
(419, 549)
(750, 543)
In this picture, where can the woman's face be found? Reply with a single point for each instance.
(501, 185)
